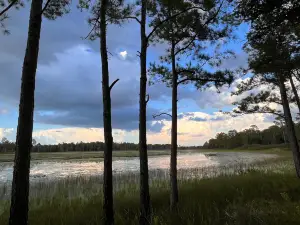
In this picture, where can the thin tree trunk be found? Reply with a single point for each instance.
(20, 183)
(145, 214)
(290, 125)
(108, 139)
(173, 161)
(295, 92)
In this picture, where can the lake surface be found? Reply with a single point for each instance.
(49, 170)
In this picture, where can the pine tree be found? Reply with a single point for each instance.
(104, 11)
(185, 35)
(20, 183)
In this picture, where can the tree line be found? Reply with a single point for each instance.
(274, 135)
(195, 33)
(8, 146)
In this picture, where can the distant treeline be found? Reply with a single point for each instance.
(273, 135)
(7, 146)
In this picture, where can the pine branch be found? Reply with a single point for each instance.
(197, 79)
(94, 27)
(260, 112)
(195, 36)
(188, 45)
(170, 18)
(154, 116)
(113, 83)
(8, 7)
(147, 98)
(133, 17)
(45, 7)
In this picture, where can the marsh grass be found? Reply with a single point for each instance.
(88, 155)
(260, 193)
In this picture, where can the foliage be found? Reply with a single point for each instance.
(191, 33)
(8, 146)
(269, 14)
(117, 12)
(52, 9)
(275, 134)
(5, 6)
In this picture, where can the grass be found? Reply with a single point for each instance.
(260, 194)
(9, 157)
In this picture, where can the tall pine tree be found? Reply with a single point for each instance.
(20, 183)
(185, 34)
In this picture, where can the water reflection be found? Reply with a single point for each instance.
(59, 170)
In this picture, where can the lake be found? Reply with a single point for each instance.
(51, 170)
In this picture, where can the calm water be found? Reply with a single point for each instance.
(49, 170)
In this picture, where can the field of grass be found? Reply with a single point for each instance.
(261, 194)
(9, 157)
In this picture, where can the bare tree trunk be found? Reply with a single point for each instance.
(173, 161)
(108, 139)
(290, 125)
(20, 183)
(145, 214)
(295, 92)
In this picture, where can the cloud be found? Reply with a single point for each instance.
(239, 61)
(198, 119)
(123, 54)
(69, 92)
(9, 133)
(189, 132)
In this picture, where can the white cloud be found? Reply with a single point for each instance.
(9, 133)
(123, 54)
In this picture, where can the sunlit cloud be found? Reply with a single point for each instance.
(123, 54)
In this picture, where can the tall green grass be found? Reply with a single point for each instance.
(262, 193)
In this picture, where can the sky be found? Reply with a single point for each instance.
(68, 100)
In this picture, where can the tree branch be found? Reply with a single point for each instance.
(147, 98)
(133, 17)
(277, 114)
(96, 22)
(45, 7)
(113, 83)
(8, 7)
(170, 18)
(154, 116)
(188, 45)
(196, 79)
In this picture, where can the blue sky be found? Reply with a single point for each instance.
(68, 105)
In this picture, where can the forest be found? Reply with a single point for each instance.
(251, 137)
(196, 34)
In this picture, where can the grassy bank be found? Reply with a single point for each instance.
(267, 193)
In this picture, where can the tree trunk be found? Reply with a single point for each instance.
(20, 183)
(145, 214)
(108, 139)
(290, 125)
(295, 92)
(173, 161)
